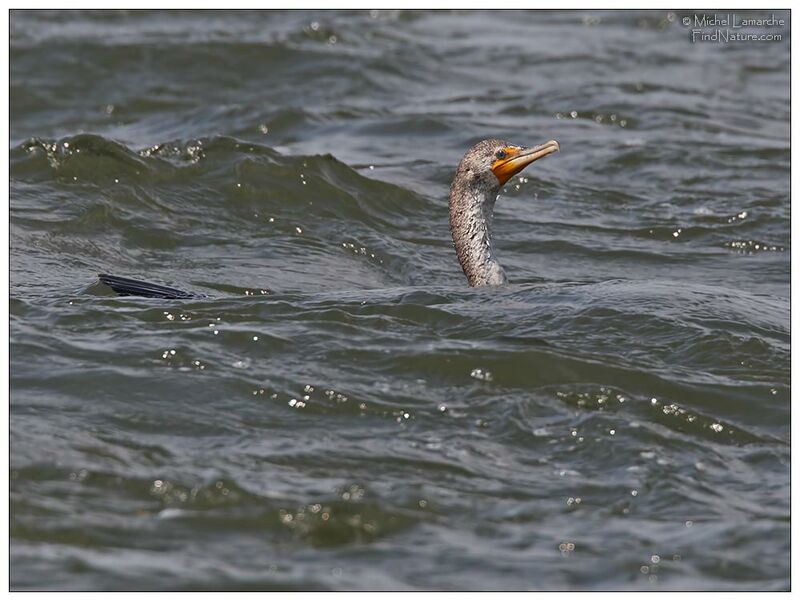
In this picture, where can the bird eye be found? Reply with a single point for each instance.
(500, 154)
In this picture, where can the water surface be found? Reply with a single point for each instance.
(342, 411)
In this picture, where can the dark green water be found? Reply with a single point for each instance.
(343, 412)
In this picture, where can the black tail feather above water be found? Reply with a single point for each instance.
(129, 287)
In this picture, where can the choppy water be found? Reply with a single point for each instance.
(343, 412)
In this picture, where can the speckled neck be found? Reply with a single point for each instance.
(471, 215)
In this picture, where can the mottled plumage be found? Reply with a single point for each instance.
(472, 196)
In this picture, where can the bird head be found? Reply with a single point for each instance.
(491, 163)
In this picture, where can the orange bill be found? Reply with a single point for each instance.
(516, 159)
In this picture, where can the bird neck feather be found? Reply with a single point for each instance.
(471, 216)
